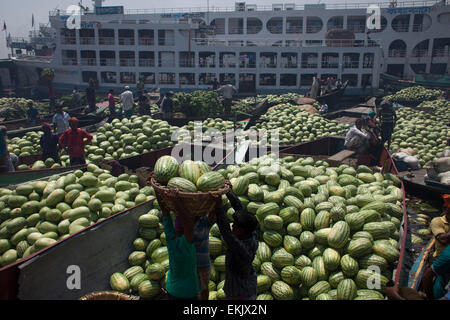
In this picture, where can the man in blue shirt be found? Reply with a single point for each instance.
(440, 272)
(32, 114)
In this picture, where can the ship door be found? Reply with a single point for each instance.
(247, 83)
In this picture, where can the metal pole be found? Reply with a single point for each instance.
(207, 12)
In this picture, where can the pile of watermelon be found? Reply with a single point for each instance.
(37, 214)
(295, 125)
(27, 145)
(189, 176)
(322, 230)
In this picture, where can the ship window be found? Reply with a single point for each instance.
(187, 59)
(146, 37)
(166, 37)
(107, 58)
(247, 82)
(147, 77)
(444, 18)
(309, 60)
(109, 77)
(146, 59)
(268, 60)
(293, 43)
(422, 22)
(69, 57)
(247, 60)
(275, 25)
(313, 24)
(335, 23)
(167, 78)
(68, 36)
(225, 78)
(330, 60)
(366, 81)
(126, 37)
(206, 78)
(383, 25)
(396, 69)
(128, 77)
(207, 59)
(219, 25)
(187, 79)
(421, 49)
(438, 68)
(294, 25)
(397, 49)
(289, 60)
(356, 24)
(351, 78)
(368, 60)
(441, 47)
(127, 59)
(227, 60)
(419, 67)
(88, 58)
(167, 59)
(268, 79)
(88, 75)
(235, 26)
(306, 80)
(254, 25)
(350, 60)
(288, 80)
(401, 23)
(106, 36)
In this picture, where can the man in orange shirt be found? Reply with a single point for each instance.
(73, 141)
(440, 228)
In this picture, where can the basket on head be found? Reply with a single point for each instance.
(196, 204)
(108, 295)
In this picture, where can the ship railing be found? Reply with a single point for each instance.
(68, 40)
(330, 65)
(397, 53)
(309, 65)
(109, 41)
(351, 65)
(88, 61)
(357, 28)
(146, 42)
(267, 65)
(107, 62)
(166, 42)
(291, 30)
(442, 52)
(227, 65)
(275, 29)
(289, 65)
(167, 64)
(206, 65)
(69, 61)
(313, 29)
(27, 57)
(187, 63)
(419, 53)
(400, 27)
(87, 40)
(146, 62)
(127, 62)
(126, 41)
(368, 65)
(417, 28)
(244, 65)
(253, 30)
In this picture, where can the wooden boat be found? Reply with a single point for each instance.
(429, 81)
(332, 98)
(416, 184)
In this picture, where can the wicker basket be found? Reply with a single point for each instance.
(197, 204)
(108, 295)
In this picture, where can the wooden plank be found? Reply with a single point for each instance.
(344, 154)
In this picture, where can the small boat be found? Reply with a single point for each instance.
(416, 184)
(332, 98)
(429, 81)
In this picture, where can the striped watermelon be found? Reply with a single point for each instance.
(331, 259)
(370, 216)
(307, 239)
(255, 193)
(302, 261)
(291, 275)
(282, 291)
(190, 170)
(272, 238)
(294, 229)
(359, 247)
(335, 278)
(308, 276)
(204, 168)
(368, 294)
(210, 181)
(119, 283)
(337, 213)
(366, 278)
(373, 260)
(269, 270)
(240, 186)
(263, 283)
(377, 230)
(263, 252)
(362, 234)
(132, 271)
(318, 288)
(253, 207)
(264, 297)
(165, 169)
(215, 246)
(322, 220)
(324, 296)
(386, 251)
(291, 201)
(355, 221)
(252, 177)
(292, 245)
(149, 289)
(319, 265)
(281, 258)
(183, 185)
(321, 236)
(307, 218)
(346, 290)
(339, 234)
(349, 266)
(273, 222)
(267, 209)
(289, 215)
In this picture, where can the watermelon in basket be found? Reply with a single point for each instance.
(195, 182)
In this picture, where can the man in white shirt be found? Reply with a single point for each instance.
(355, 139)
(126, 98)
(60, 120)
(227, 91)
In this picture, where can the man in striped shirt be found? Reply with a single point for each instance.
(388, 118)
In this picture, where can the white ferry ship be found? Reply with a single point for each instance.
(257, 48)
